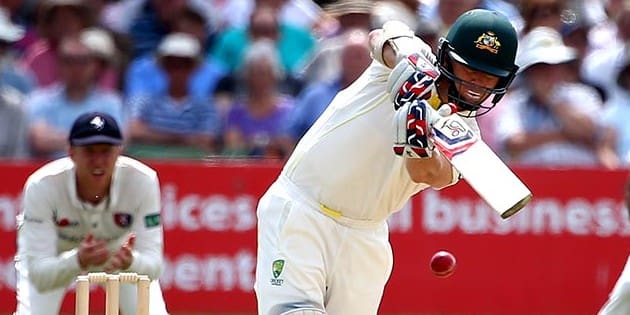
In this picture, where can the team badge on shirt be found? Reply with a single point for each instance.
(276, 267)
(123, 220)
(488, 41)
(64, 222)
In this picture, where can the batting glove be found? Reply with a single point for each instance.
(411, 79)
(413, 126)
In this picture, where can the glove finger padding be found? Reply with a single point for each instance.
(413, 126)
(411, 79)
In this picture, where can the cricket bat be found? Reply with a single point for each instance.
(484, 171)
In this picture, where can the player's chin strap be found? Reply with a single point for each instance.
(402, 39)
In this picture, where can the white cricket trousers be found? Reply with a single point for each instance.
(307, 259)
(32, 302)
(619, 300)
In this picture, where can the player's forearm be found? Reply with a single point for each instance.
(518, 143)
(49, 273)
(435, 171)
(45, 140)
(576, 125)
(140, 132)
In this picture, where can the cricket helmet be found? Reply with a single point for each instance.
(482, 40)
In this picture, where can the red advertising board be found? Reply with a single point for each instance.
(560, 255)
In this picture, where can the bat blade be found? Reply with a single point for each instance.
(484, 171)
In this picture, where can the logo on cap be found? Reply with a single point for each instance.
(97, 123)
(488, 41)
(95, 128)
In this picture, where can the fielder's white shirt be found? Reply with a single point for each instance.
(346, 162)
(55, 221)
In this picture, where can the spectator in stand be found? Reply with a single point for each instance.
(173, 123)
(443, 13)
(617, 112)
(253, 124)
(603, 64)
(145, 76)
(405, 11)
(537, 13)
(350, 14)
(550, 121)
(311, 103)
(326, 63)
(52, 110)
(15, 83)
(23, 13)
(431, 10)
(192, 20)
(13, 130)
(294, 45)
(102, 45)
(575, 35)
(121, 41)
(15, 80)
(56, 19)
(236, 13)
(146, 22)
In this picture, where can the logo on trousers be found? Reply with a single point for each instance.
(276, 267)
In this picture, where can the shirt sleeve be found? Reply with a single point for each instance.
(37, 242)
(149, 244)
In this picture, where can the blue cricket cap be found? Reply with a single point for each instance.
(95, 128)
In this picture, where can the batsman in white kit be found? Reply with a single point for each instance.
(323, 240)
(93, 211)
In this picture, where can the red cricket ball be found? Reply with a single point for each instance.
(443, 264)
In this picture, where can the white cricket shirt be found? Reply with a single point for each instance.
(346, 162)
(54, 221)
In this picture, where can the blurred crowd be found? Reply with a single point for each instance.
(197, 79)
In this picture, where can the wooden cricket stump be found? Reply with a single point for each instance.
(112, 291)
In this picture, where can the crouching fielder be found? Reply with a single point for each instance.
(92, 211)
(323, 241)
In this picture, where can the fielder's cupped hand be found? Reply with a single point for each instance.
(123, 257)
(92, 252)
(413, 126)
